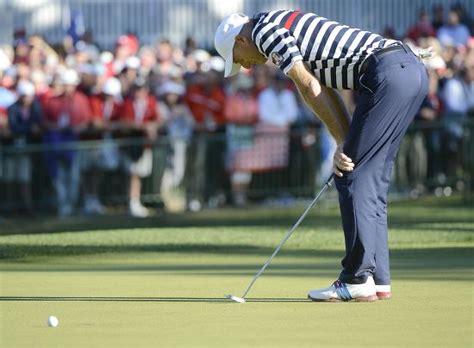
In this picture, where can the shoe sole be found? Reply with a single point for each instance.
(370, 298)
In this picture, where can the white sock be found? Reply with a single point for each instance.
(382, 288)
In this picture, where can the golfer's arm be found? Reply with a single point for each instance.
(324, 102)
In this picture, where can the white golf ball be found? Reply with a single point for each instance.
(53, 321)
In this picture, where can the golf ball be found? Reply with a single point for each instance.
(53, 321)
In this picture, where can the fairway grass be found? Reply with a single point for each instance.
(164, 286)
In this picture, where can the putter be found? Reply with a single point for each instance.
(242, 299)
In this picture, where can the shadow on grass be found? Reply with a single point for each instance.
(12, 252)
(144, 299)
(430, 263)
(407, 215)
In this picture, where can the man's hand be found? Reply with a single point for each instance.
(341, 161)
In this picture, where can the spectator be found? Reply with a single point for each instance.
(277, 104)
(178, 122)
(88, 75)
(7, 98)
(129, 74)
(140, 115)
(241, 113)
(22, 50)
(105, 109)
(206, 99)
(438, 16)
(189, 46)
(5, 140)
(24, 118)
(194, 66)
(66, 116)
(8, 80)
(458, 99)
(165, 58)
(464, 16)
(277, 110)
(148, 61)
(106, 105)
(454, 32)
(125, 47)
(422, 28)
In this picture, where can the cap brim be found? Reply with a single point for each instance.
(231, 69)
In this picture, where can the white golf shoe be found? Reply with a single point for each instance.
(340, 291)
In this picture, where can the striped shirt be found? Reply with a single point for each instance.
(334, 52)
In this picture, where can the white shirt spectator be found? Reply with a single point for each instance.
(458, 96)
(276, 107)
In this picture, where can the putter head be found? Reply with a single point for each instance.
(235, 298)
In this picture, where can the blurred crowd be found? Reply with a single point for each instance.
(116, 106)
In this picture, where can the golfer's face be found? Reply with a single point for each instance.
(244, 55)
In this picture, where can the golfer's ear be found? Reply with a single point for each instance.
(240, 39)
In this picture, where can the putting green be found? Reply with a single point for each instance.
(164, 286)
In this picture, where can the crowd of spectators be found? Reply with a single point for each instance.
(116, 106)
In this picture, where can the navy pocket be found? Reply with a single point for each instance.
(369, 81)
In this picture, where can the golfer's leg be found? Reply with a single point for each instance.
(379, 118)
(382, 259)
(382, 271)
(358, 199)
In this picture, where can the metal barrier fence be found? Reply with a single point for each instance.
(284, 166)
(177, 19)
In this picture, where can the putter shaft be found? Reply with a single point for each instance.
(290, 232)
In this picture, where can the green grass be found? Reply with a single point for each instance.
(160, 282)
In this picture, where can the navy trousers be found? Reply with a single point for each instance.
(392, 90)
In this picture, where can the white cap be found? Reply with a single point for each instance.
(217, 63)
(70, 77)
(132, 63)
(224, 40)
(112, 86)
(171, 87)
(201, 56)
(25, 88)
(106, 57)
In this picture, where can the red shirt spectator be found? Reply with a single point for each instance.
(68, 110)
(139, 111)
(206, 100)
(241, 106)
(423, 28)
(104, 108)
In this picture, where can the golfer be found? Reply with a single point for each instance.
(321, 55)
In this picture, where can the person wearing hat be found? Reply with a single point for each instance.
(105, 108)
(241, 112)
(140, 118)
(178, 123)
(320, 55)
(129, 74)
(66, 116)
(24, 120)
